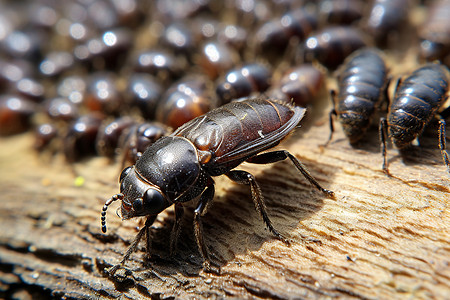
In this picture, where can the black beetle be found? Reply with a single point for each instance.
(179, 167)
(416, 101)
(362, 81)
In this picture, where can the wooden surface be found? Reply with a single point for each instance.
(382, 238)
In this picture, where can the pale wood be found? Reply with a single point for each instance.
(382, 238)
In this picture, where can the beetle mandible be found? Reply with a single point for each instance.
(179, 167)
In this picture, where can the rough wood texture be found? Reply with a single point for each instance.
(381, 238)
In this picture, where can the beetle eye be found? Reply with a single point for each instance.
(137, 204)
(153, 202)
(124, 173)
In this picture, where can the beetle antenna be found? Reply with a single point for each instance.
(105, 207)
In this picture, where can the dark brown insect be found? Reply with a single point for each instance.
(273, 37)
(301, 85)
(343, 12)
(184, 100)
(136, 139)
(102, 94)
(179, 168)
(15, 114)
(362, 81)
(143, 92)
(160, 63)
(435, 34)
(129, 137)
(216, 58)
(243, 81)
(79, 140)
(332, 45)
(387, 17)
(417, 100)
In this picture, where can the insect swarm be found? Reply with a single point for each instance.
(179, 168)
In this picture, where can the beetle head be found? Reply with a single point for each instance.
(140, 197)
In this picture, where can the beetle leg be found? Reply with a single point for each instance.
(383, 135)
(243, 177)
(330, 116)
(133, 246)
(274, 156)
(179, 211)
(206, 196)
(442, 143)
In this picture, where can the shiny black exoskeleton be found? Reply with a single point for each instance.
(362, 81)
(244, 81)
(417, 100)
(332, 45)
(179, 168)
(387, 17)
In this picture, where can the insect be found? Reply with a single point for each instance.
(15, 114)
(186, 99)
(242, 82)
(417, 100)
(274, 36)
(179, 168)
(387, 17)
(362, 80)
(332, 45)
(300, 84)
(434, 33)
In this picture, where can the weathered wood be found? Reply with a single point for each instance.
(381, 238)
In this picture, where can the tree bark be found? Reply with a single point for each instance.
(382, 237)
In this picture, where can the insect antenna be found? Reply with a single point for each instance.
(105, 207)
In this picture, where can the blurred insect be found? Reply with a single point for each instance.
(15, 114)
(301, 85)
(332, 45)
(242, 82)
(435, 34)
(128, 137)
(343, 12)
(184, 100)
(179, 168)
(138, 138)
(387, 18)
(274, 36)
(362, 81)
(79, 140)
(417, 100)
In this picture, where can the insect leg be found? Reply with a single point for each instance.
(330, 116)
(271, 157)
(179, 211)
(133, 246)
(243, 177)
(383, 137)
(206, 197)
(442, 143)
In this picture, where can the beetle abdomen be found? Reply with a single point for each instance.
(361, 80)
(240, 124)
(416, 101)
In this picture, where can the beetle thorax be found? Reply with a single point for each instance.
(172, 164)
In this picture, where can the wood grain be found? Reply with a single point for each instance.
(382, 238)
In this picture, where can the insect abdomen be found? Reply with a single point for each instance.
(361, 83)
(416, 101)
(238, 123)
